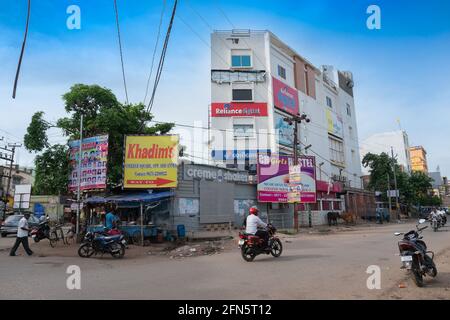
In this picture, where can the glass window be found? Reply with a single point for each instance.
(336, 150)
(242, 95)
(282, 72)
(241, 61)
(329, 102)
(243, 130)
(349, 110)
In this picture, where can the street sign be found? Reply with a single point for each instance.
(151, 162)
(393, 193)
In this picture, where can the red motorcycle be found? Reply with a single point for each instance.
(252, 245)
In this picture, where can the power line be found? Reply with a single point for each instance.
(162, 58)
(22, 50)
(154, 49)
(120, 49)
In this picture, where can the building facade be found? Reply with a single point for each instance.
(256, 82)
(382, 142)
(418, 159)
(20, 175)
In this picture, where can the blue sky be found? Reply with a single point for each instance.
(401, 71)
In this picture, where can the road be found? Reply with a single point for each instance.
(312, 266)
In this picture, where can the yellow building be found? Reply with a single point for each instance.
(418, 159)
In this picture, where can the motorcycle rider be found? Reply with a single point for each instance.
(252, 224)
(442, 216)
(434, 214)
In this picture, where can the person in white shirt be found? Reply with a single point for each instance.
(252, 224)
(22, 236)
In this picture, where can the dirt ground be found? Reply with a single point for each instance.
(435, 288)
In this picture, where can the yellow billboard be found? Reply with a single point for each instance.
(151, 162)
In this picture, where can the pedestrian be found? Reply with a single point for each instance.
(22, 236)
(111, 218)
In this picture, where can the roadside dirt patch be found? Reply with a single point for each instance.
(435, 288)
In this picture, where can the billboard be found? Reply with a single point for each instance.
(94, 157)
(285, 97)
(151, 161)
(22, 195)
(284, 132)
(274, 175)
(222, 155)
(241, 109)
(334, 124)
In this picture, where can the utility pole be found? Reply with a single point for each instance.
(389, 196)
(79, 175)
(13, 150)
(397, 206)
(296, 120)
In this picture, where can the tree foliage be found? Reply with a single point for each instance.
(102, 114)
(52, 171)
(414, 188)
(36, 137)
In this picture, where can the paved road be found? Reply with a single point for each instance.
(328, 266)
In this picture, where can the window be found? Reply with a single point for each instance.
(241, 59)
(349, 110)
(329, 102)
(282, 72)
(243, 130)
(242, 95)
(336, 150)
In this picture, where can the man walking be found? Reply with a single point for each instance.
(22, 236)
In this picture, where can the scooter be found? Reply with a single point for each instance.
(42, 231)
(414, 255)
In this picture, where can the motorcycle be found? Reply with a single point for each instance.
(101, 244)
(42, 232)
(252, 245)
(414, 255)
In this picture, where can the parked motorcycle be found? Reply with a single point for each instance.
(252, 245)
(43, 232)
(414, 255)
(101, 244)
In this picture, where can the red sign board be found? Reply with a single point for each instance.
(285, 97)
(241, 109)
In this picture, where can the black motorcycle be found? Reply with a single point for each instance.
(42, 231)
(252, 245)
(100, 244)
(414, 255)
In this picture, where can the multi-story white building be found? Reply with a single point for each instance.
(382, 142)
(256, 82)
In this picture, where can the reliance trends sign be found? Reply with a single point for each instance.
(250, 109)
(285, 97)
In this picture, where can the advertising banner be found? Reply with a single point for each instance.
(237, 154)
(273, 179)
(285, 97)
(94, 157)
(241, 109)
(335, 124)
(284, 132)
(151, 161)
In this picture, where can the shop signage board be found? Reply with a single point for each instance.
(285, 97)
(274, 179)
(214, 174)
(334, 124)
(284, 131)
(151, 161)
(239, 109)
(94, 157)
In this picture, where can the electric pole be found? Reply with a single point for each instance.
(295, 120)
(79, 175)
(397, 206)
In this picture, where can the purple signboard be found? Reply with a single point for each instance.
(273, 178)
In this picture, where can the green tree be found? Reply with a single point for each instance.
(102, 114)
(52, 171)
(414, 188)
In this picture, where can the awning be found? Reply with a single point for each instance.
(137, 197)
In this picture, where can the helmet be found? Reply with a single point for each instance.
(253, 210)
